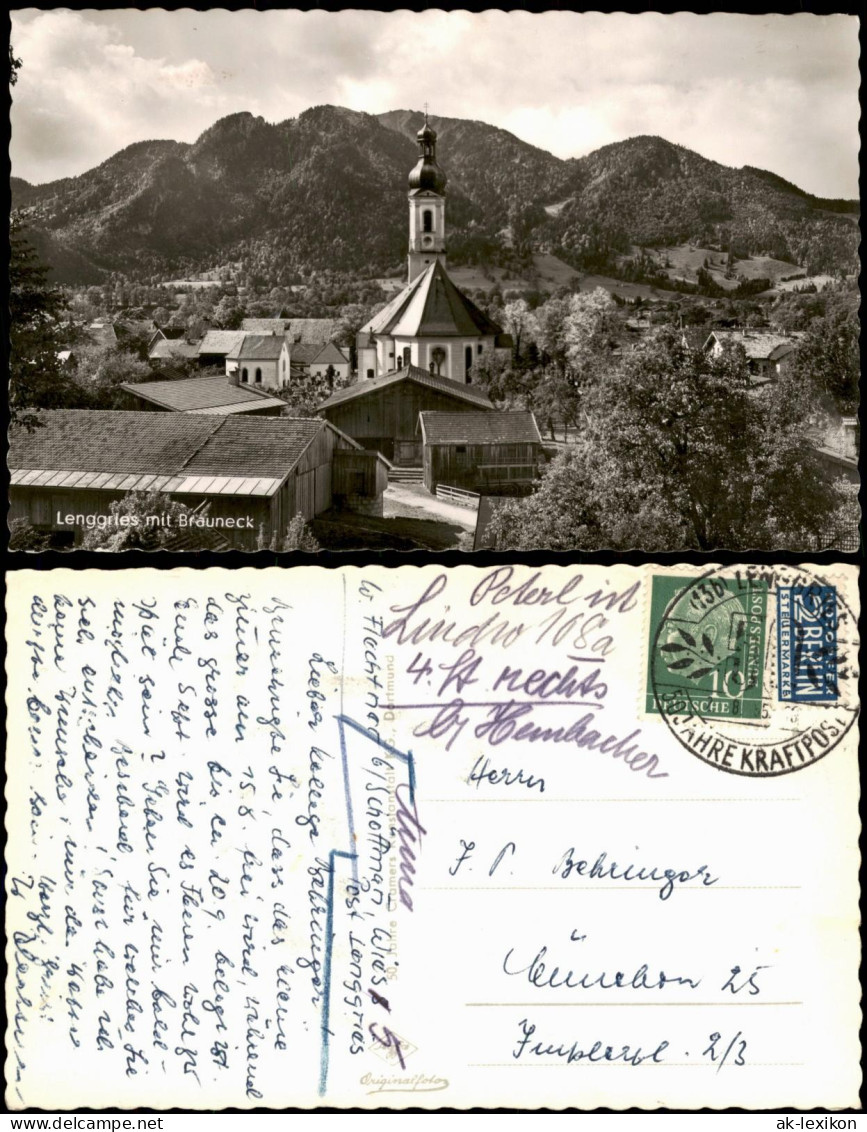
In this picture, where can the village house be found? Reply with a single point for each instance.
(768, 354)
(382, 413)
(254, 476)
(482, 452)
(310, 359)
(215, 395)
(260, 360)
(430, 324)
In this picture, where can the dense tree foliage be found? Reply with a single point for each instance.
(677, 450)
(141, 520)
(37, 334)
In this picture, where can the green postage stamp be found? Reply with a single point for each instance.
(707, 645)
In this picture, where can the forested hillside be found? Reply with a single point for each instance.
(326, 190)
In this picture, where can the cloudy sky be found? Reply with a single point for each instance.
(779, 92)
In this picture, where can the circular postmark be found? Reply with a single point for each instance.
(754, 668)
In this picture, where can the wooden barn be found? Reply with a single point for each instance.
(480, 451)
(382, 413)
(253, 473)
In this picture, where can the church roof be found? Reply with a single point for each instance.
(432, 307)
(409, 373)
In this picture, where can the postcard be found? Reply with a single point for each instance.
(566, 837)
(335, 280)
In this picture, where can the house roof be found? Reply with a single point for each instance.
(304, 330)
(173, 348)
(507, 427)
(258, 347)
(221, 341)
(202, 394)
(758, 344)
(431, 306)
(304, 353)
(181, 453)
(330, 354)
(365, 387)
(312, 353)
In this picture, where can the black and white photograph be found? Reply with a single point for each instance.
(308, 280)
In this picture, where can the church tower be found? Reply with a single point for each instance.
(427, 206)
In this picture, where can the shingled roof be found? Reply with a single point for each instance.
(173, 348)
(173, 452)
(307, 330)
(508, 427)
(202, 394)
(257, 347)
(431, 306)
(221, 341)
(364, 388)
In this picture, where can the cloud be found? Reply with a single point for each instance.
(775, 91)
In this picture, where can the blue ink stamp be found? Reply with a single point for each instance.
(807, 644)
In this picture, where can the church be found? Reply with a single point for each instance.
(430, 324)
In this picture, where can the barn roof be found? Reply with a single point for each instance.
(316, 330)
(431, 306)
(173, 452)
(221, 341)
(506, 427)
(365, 387)
(202, 394)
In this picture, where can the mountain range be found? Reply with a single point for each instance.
(326, 191)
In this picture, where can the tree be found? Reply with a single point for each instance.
(142, 520)
(36, 334)
(520, 322)
(588, 323)
(228, 313)
(678, 451)
(829, 359)
(24, 536)
(101, 370)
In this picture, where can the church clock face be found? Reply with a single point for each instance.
(427, 241)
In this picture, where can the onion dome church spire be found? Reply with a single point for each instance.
(427, 206)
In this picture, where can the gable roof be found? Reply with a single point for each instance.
(330, 354)
(365, 387)
(304, 353)
(431, 306)
(508, 427)
(220, 341)
(305, 330)
(257, 347)
(173, 452)
(312, 353)
(202, 394)
(173, 348)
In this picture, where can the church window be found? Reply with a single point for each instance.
(427, 220)
(479, 348)
(407, 354)
(468, 360)
(258, 376)
(244, 374)
(370, 373)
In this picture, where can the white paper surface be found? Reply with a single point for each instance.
(417, 837)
